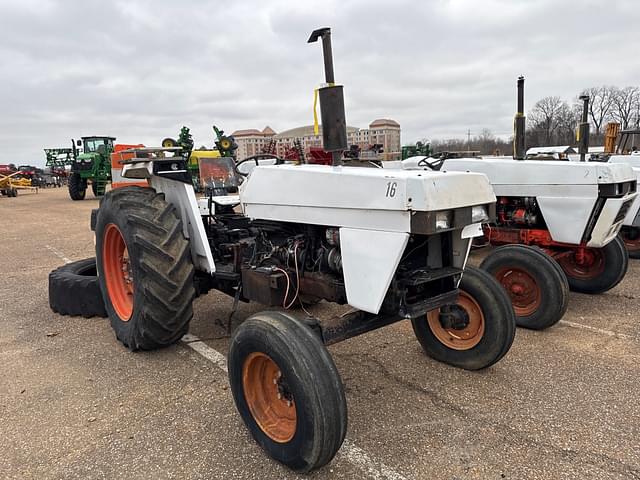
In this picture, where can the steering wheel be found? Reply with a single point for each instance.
(256, 159)
(435, 165)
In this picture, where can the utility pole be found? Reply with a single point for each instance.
(469, 139)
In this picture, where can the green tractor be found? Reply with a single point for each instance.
(92, 165)
(420, 148)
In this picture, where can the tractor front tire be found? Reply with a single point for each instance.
(287, 390)
(77, 187)
(631, 238)
(487, 334)
(144, 267)
(535, 283)
(606, 267)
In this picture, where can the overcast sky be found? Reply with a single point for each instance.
(140, 69)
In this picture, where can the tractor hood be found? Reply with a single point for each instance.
(360, 197)
(631, 160)
(534, 172)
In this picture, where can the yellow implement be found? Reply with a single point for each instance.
(9, 184)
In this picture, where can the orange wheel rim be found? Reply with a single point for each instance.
(632, 242)
(591, 266)
(522, 288)
(268, 397)
(117, 272)
(463, 338)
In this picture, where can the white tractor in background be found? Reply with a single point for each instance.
(621, 147)
(393, 245)
(557, 225)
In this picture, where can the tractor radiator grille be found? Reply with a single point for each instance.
(623, 211)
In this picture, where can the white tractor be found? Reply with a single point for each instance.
(630, 232)
(392, 245)
(557, 223)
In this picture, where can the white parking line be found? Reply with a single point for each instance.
(358, 457)
(57, 254)
(349, 451)
(206, 351)
(608, 333)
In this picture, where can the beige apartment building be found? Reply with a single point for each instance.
(252, 141)
(383, 131)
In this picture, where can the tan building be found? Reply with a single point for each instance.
(382, 131)
(252, 141)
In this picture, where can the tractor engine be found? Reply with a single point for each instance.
(286, 264)
(518, 211)
(289, 262)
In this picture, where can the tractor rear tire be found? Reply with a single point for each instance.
(490, 328)
(535, 283)
(94, 189)
(631, 238)
(287, 390)
(74, 290)
(144, 267)
(607, 270)
(77, 187)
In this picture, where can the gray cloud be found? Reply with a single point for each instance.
(140, 69)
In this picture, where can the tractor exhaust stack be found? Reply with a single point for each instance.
(519, 124)
(583, 129)
(333, 117)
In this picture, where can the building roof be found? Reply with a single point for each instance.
(306, 131)
(246, 132)
(379, 122)
(250, 132)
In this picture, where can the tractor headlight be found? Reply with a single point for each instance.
(87, 160)
(443, 220)
(479, 214)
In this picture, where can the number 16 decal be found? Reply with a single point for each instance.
(391, 189)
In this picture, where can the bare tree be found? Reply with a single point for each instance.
(545, 117)
(600, 104)
(626, 102)
(568, 118)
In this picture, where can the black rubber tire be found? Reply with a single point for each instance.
(312, 379)
(74, 290)
(548, 276)
(77, 187)
(161, 267)
(94, 188)
(616, 261)
(631, 233)
(499, 330)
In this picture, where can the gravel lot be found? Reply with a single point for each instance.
(75, 403)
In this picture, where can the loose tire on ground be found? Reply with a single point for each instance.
(145, 268)
(74, 290)
(77, 187)
(606, 269)
(631, 238)
(287, 390)
(535, 283)
(488, 334)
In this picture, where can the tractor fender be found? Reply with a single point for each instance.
(183, 198)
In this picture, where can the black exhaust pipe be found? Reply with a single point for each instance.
(519, 124)
(583, 129)
(332, 114)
